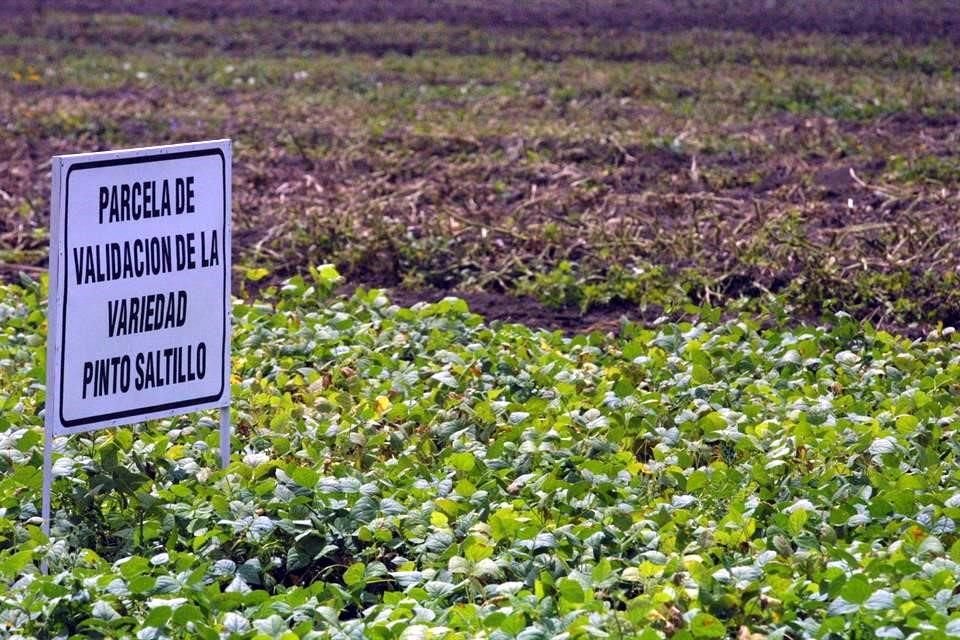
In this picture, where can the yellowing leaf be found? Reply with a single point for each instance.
(383, 405)
(175, 452)
(255, 274)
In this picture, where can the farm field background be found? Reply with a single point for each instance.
(585, 167)
(740, 240)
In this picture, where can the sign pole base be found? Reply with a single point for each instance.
(47, 481)
(224, 437)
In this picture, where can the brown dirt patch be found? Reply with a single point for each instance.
(525, 310)
(436, 174)
(906, 20)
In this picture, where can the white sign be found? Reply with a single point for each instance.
(139, 322)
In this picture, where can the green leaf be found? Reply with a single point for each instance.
(158, 616)
(141, 584)
(272, 627)
(354, 574)
(514, 623)
(462, 461)
(570, 590)
(705, 625)
(955, 551)
(697, 480)
(856, 590)
(133, 566)
(713, 421)
(906, 423)
(15, 563)
(476, 550)
(187, 613)
(602, 571)
(328, 274)
(796, 520)
(701, 375)
(503, 524)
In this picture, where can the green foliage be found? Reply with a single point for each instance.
(643, 285)
(930, 169)
(402, 473)
(804, 96)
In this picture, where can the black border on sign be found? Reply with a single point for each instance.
(155, 157)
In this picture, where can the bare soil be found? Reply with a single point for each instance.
(790, 197)
(525, 310)
(920, 20)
